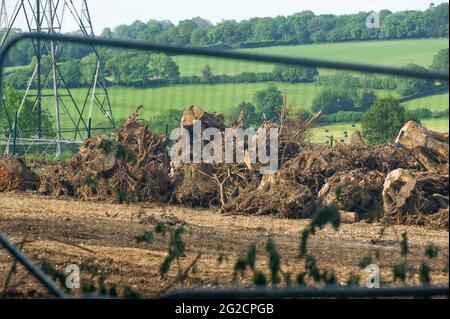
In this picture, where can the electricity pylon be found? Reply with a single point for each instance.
(47, 86)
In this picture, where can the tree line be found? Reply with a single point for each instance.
(300, 28)
(148, 70)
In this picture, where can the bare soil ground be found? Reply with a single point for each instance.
(67, 232)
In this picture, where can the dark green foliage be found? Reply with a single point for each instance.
(54, 274)
(365, 261)
(408, 86)
(383, 121)
(431, 251)
(125, 154)
(312, 269)
(286, 73)
(90, 180)
(130, 293)
(127, 197)
(70, 70)
(353, 281)
(440, 61)
(299, 28)
(239, 267)
(274, 261)
(259, 279)
(252, 118)
(269, 102)
(420, 113)
(18, 79)
(161, 229)
(251, 256)
(424, 273)
(440, 114)
(400, 272)
(27, 125)
(404, 247)
(108, 147)
(176, 249)
(300, 279)
(207, 73)
(365, 100)
(322, 216)
(161, 66)
(333, 100)
(146, 237)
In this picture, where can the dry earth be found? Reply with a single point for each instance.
(69, 232)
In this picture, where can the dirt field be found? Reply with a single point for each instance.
(105, 234)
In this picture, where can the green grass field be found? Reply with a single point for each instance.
(437, 102)
(395, 53)
(220, 98)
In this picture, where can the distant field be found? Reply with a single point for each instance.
(396, 53)
(337, 130)
(219, 98)
(437, 102)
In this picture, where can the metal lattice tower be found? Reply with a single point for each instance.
(47, 87)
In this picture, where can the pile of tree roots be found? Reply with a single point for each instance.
(405, 182)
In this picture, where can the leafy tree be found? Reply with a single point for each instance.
(88, 67)
(420, 113)
(407, 86)
(162, 66)
(251, 117)
(365, 100)
(440, 61)
(383, 121)
(28, 120)
(71, 72)
(295, 74)
(18, 79)
(207, 73)
(269, 101)
(332, 101)
(137, 64)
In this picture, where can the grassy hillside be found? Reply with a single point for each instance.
(396, 53)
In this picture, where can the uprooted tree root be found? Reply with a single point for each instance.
(416, 198)
(15, 175)
(355, 191)
(133, 166)
(408, 180)
(278, 197)
(316, 163)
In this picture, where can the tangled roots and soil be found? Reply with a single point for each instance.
(355, 191)
(276, 196)
(15, 175)
(316, 163)
(132, 166)
(419, 198)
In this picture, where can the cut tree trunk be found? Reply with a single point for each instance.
(431, 148)
(193, 114)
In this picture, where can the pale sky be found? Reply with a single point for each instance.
(110, 13)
